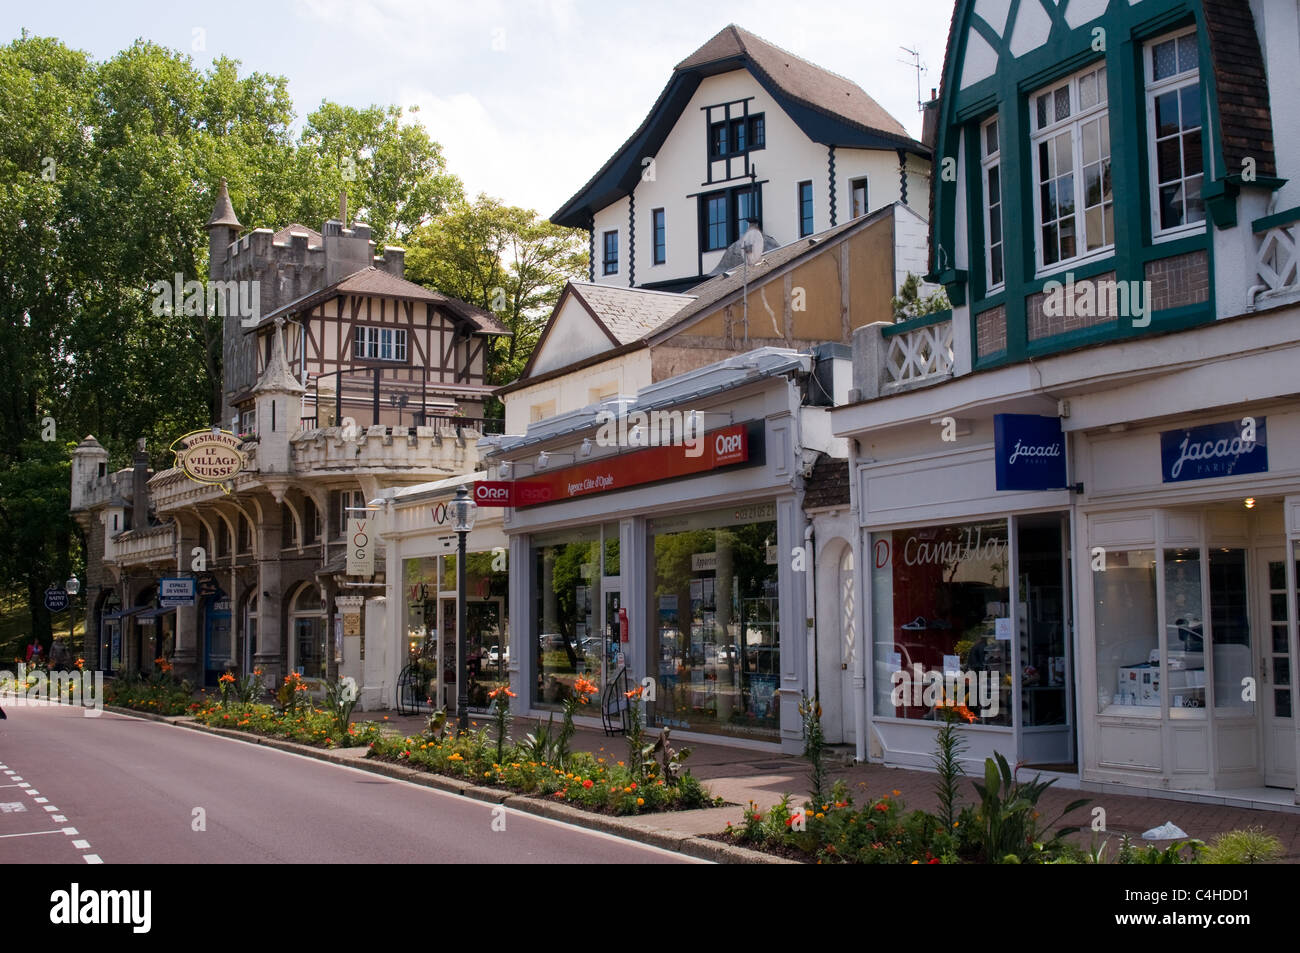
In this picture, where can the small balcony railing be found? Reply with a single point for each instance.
(1277, 258)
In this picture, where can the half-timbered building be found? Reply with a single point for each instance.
(345, 382)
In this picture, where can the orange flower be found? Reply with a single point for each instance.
(635, 693)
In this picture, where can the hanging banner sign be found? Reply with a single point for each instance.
(1214, 450)
(176, 591)
(1029, 452)
(361, 548)
(212, 457)
(722, 448)
(56, 599)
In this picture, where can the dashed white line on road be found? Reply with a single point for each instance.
(50, 807)
(92, 858)
(42, 800)
(70, 831)
(81, 844)
(59, 819)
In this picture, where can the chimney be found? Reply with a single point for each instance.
(140, 487)
(930, 121)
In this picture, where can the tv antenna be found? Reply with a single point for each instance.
(917, 65)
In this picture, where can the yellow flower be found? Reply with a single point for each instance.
(640, 801)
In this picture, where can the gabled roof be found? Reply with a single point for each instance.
(626, 315)
(827, 107)
(660, 314)
(281, 237)
(375, 282)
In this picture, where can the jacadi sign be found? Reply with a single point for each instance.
(1214, 450)
(1029, 452)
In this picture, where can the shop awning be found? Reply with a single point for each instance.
(149, 615)
(124, 613)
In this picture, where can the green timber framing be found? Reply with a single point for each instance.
(1124, 29)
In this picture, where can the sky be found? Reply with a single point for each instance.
(527, 97)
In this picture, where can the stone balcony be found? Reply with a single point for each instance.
(402, 454)
(156, 544)
(889, 358)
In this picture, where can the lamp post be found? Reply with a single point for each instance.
(73, 585)
(462, 511)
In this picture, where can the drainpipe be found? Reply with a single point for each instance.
(861, 636)
(810, 583)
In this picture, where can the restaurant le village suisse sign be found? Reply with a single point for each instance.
(211, 456)
(725, 447)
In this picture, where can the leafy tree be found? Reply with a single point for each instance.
(505, 260)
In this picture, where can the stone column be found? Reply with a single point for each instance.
(270, 599)
(187, 657)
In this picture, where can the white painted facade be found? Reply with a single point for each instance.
(625, 374)
(676, 174)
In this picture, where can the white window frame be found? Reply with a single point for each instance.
(1154, 89)
(373, 343)
(1073, 124)
(992, 160)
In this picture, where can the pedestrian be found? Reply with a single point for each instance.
(59, 655)
(34, 654)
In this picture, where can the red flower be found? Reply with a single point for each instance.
(882, 807)
(587, 783)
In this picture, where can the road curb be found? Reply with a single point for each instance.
(691, 845)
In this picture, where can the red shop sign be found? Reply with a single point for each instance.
(494, 493)
(721, 448)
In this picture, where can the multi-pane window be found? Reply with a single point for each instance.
(715, 222)
(805, 209)
(342, 500)
(374, 343)
(736, 136)
(1073, 202)
(660, 237)
(991, 169)
(611, 253)
(1174, 136)
(857, 198)
(747, 210)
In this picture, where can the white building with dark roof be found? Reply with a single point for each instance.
(743, 131)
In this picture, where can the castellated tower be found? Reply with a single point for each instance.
(283, 266)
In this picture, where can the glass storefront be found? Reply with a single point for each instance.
(567, 571)
(430, 582)
(715, 640)
(942, 624)
(1132, 660)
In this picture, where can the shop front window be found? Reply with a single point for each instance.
(308, 621)
(566, 595)
(1128, 643)
(1184, 635)
(942, 623)
(715, 645)
(1230, 632)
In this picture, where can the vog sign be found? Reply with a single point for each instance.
(361, 548)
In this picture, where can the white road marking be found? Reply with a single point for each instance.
(42, 800)
(27, 784)
(59, 819)
(91, 858)
(70, 831)
(50, 807)
(29, 834)
(81, 844)
(12, 807)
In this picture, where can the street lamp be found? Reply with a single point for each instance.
(462, 511)
(73, 585)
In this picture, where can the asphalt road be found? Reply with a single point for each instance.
(119, 790)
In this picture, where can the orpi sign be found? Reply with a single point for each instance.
(212, 456)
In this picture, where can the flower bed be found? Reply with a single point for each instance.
(596, 784)
(159, 698)
(311, 726)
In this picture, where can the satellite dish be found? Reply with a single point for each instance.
(751, 245)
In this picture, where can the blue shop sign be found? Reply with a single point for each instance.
(1214, 450)
(1029, 452)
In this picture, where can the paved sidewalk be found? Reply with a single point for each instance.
(740, 775)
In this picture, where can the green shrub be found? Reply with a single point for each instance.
(1252, 845)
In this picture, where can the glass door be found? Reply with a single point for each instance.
(1275, 692)
(1043, 624)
